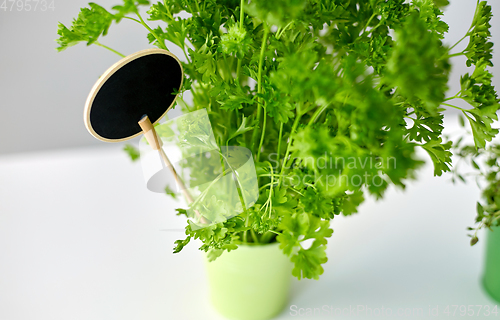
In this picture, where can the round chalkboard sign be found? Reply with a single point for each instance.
(143, 83)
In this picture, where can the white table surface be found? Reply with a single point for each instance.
(82, 238)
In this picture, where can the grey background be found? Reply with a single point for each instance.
(42, 92)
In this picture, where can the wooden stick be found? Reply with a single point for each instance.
(156, 143)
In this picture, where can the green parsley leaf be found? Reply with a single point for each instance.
(90, 24)
(132, 151)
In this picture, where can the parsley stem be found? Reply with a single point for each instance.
(280, 31)
(259, 89)
(450, 105)
(279, 144)
(266, 237)
(368, 22)
(317, 113)
(254, 236)
(456, 54)
(238, 66)
(294, 127)
(205, 192)
(141, 21)
(133, 19)
(451, 98)
(266, 185)
(246, 231)
(268, 175)
(241, 13)
(181, 99)
(297, 191)
(310, 185)
(160, 42)
(453, 46)
(112, 50)
(186, 55)
(262, 136)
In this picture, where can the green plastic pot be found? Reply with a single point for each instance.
(491, 279)
(250, 283)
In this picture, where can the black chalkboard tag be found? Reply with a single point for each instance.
(140, 84)
(133, 95)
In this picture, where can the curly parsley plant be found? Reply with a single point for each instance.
(333, 97)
